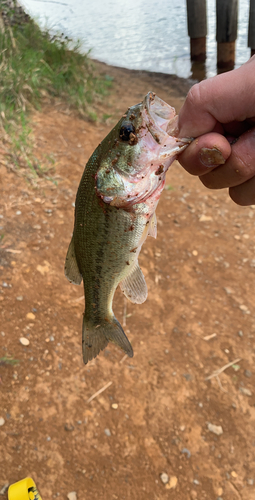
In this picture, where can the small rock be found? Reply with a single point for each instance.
(52, 338)
(195, 481)
(107, 432)
(114, 406)
(164, 478)
(216, 429)
(4, 488)
(205, 218)
(240, 333)
(245, 391)
(48, 438)
(233, 473)
(244, 308)
(219, 492)
(18, 212)
(247, 373)
(20, 298)
(193, 495)
(195, 253)
(250, 482)
(24, 341)
(2, 421)
(172, 483)
(30, 316)
(186, 451)
(72, 495)
(69, 427)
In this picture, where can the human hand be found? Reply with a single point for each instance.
(220, 114)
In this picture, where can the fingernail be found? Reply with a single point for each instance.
(211, 157)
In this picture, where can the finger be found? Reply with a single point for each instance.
(207, 151)
(224, 98)
(244, 194)
(239, 168)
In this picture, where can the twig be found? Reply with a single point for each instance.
(99, 392)
(220, 370)
(123, 359)
(209, 337)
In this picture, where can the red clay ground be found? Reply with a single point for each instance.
(200, 276)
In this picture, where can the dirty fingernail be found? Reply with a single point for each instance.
(211, 157)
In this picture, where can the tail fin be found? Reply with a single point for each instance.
(96, 337)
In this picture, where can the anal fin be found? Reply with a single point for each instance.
(72, 271)
(134, 285)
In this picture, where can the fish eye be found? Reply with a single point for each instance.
(126, 130)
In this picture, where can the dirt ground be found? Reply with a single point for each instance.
(158, 413)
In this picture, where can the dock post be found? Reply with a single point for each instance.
(197, 29)
(251, 32)
(226, 34)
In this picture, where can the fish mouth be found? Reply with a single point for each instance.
(161, 121)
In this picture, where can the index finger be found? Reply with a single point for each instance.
(221, 99)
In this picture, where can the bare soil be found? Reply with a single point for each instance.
(154, 416)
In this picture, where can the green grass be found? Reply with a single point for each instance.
(35, 65)
(8, 360)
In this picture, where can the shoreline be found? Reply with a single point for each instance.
(168, 82)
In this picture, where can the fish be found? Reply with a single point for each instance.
(115, 212)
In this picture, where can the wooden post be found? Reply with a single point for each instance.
(251, 32)
(226, 34)
(197, 29)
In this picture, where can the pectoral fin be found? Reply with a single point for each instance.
(134, 285)
(72, 271)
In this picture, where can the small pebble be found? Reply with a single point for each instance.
(216, 429)
(195, 481)
(52, 338)
(2, 421)
(172, 483)
(48, 438)
(72, 495)
(69, 427)
(18, 212)
(193, 495)
(233, 473)
(107, 432)
(247, 373)
(240, 333)
(186, 451)
(20, 298)
(24, 341)
(114, 406)
(250, 482)
(164, 478)
(245, 391)
(30, 315)
(3, 334)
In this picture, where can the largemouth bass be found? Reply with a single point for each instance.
(115, 211)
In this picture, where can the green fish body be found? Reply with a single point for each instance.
(114, 212)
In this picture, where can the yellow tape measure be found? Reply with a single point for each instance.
(24, 490)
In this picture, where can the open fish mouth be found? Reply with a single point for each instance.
(161, 121)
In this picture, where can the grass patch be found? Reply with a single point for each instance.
(36, 65)
(8, 360)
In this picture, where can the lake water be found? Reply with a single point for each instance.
(137, 34)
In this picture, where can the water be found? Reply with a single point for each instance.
(137, 34)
